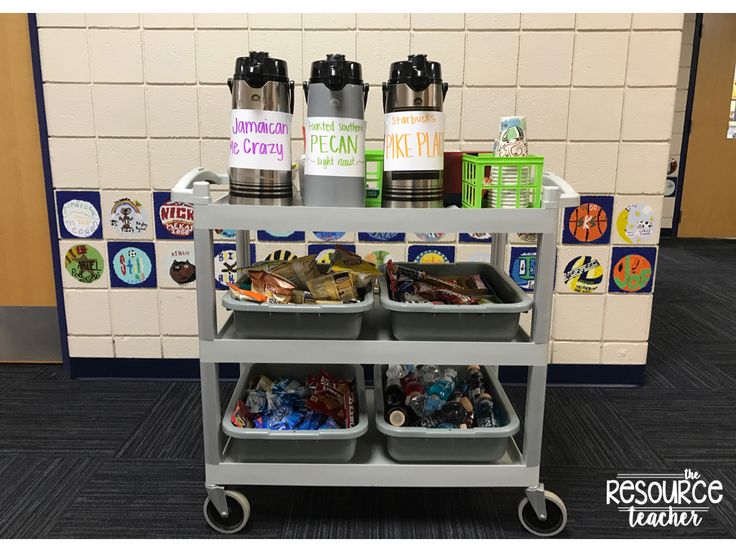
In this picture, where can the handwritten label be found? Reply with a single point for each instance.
(335, 146)
(415, 141)
(260, 139)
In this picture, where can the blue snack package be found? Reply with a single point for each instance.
(312, 420)
(285, 418)
(261, 422)
(329, 423)
(256, 401)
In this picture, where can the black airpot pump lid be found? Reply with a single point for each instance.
(417, 71)
(258, 67)
(335, 71)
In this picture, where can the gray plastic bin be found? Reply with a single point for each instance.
(419, 444)
(429, 322)
(323, 445)
(289, 321)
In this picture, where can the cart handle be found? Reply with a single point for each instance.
(568, 196)
(194, 187)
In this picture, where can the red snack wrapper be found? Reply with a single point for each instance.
(241, 416)
(333, 397)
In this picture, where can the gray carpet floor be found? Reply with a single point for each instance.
(113, 458)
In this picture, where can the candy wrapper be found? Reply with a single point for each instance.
(334, 286)
(364, 272)
(241, 416)
(276, 288)
(298, 271)
(246, 294)
(332, 397)
(256, 402)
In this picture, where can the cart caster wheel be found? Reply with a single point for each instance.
(556, 516)
(239, 509)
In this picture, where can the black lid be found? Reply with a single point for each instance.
(417, 71)
(335, 72)
(258, 68)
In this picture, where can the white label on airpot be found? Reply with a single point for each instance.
(260, 139)
(335, 146)
(415, 141)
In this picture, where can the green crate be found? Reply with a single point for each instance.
(518, 182)
(373, 177)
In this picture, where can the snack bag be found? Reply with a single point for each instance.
(346, 261)
(241, 416)
(333, 397)
(335, 286)
(245, 294)
(276, 288)
(298, 271)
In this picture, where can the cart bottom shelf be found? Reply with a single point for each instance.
(372, 467)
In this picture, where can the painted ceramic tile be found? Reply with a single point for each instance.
(431, 254)
(175, 266)
(632, 269)
(432, 237)
(381, 236)
(483, 237)
(590, 222)
(523, 266)
(637, 219)
(276, 251)
(582, 269)
(174, 219)
(226, 265)
(79, 215)
(670, 186)
(127, 215)
(323, 251)
(132, 264)
(332, 236)
(380, 254)
(225, 234)
(265, 235)
(522, 238)
(84, 264)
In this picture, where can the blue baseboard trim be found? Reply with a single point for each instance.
(601, 375)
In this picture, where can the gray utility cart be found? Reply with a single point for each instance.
(226, 462)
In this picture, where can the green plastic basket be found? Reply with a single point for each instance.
(373, 177)
(502, 182)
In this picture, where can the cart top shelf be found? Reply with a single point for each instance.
(212, 213)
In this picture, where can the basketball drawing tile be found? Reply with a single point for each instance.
(323, 251)
(174, 220)
(267, 235)
(431, 254)
(590, 222)
(381, 236)
(523, 266)
(79, 215)
(132, 264)
(632, 269)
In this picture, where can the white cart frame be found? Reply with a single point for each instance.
(371, 465)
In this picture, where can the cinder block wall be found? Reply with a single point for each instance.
(133, 101)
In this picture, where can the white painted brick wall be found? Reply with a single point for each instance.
(133, 101)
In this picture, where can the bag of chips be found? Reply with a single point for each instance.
(346, 261)
(276, 288)
(298, 271)
(334, 286)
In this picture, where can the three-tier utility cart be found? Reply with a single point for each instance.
(226, 509)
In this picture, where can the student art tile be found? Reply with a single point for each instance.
(636, 221)
(224, 234)
(132, 264)
(324, 251)
(127, 215)
(431, 254)
(380, 254)
(270, 251)
(523, 266)
(476, 237)
(84, 264)
(79, 215)
(590, 222)
(582, 269)
(381, 236)
(332, 236)
(432, 237)
(267, 235)
(632, 269)
(226, 265)
(174, 219)
(523, 238)
(175, 264)
(473, 253)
